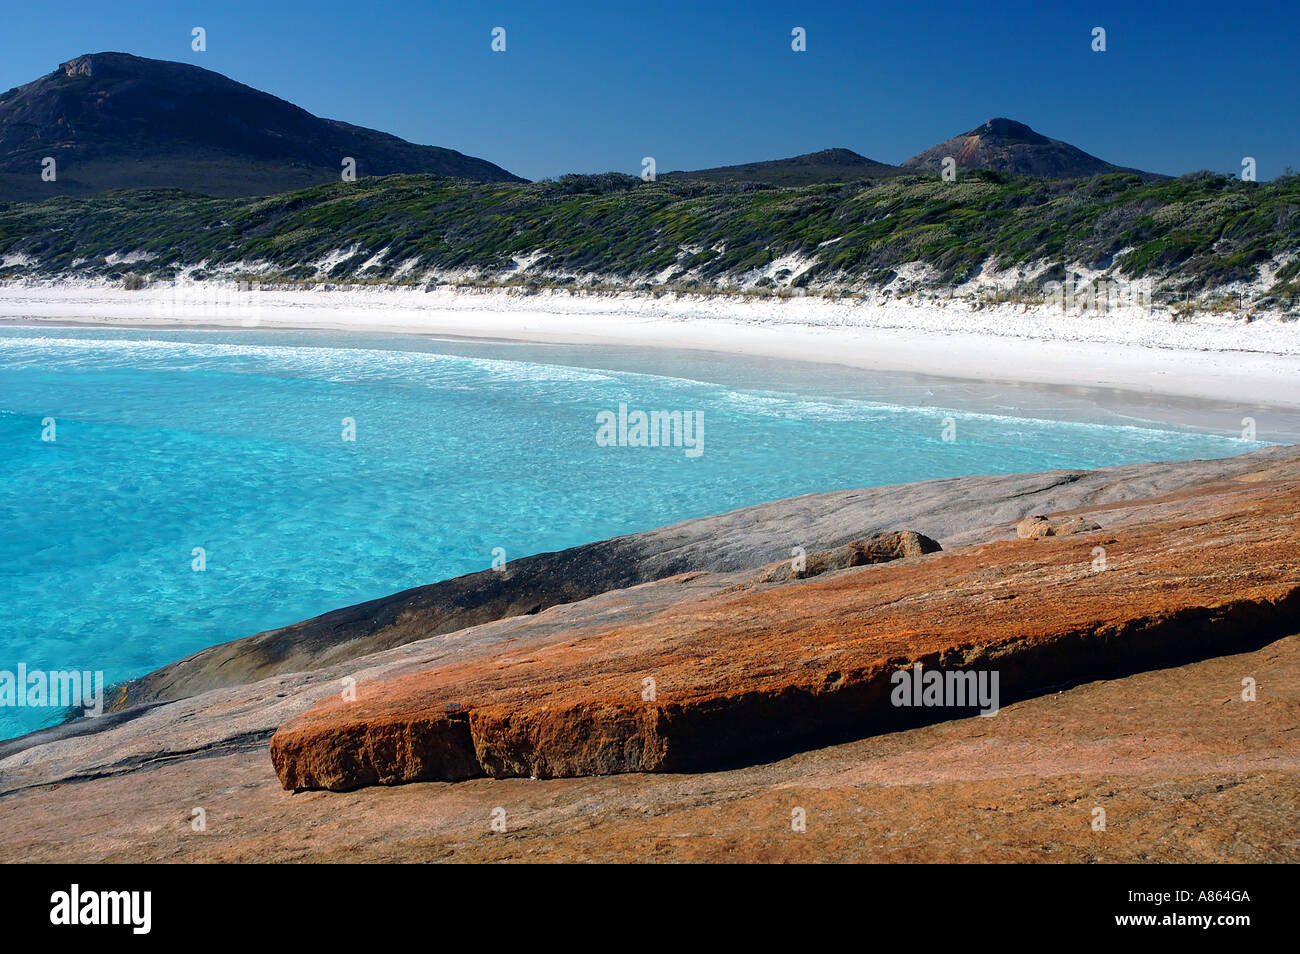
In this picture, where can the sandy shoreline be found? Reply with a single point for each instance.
(1220, 359)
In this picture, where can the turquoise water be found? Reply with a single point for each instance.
(232, 441)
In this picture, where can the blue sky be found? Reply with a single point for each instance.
(587, 87)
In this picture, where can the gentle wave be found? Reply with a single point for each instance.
(189, 355)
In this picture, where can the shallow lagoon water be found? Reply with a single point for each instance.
(233, 442)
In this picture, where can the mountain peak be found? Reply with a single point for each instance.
(827, 165)
(1008, 130)
(93, 64)
(837, 155)
(1009, 146)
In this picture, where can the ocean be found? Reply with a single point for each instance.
(164, 491)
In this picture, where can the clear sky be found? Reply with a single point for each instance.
(589, 87)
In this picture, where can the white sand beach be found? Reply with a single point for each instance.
(1143, 351)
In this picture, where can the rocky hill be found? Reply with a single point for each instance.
(828, 165)
(115, 121)
(1011, 147)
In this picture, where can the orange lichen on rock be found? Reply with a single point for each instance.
(769, 666)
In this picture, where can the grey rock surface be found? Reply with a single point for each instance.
(955, 512)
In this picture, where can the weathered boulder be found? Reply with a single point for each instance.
(878, 548)
(1035, 527)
